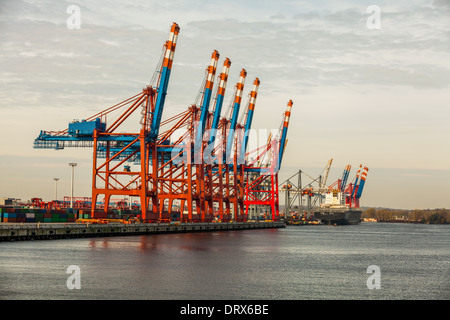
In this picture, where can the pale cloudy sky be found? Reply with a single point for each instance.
(377, 97)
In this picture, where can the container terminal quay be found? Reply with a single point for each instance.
(193, 171)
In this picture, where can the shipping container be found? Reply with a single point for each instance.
(21, 215)
(99, 215)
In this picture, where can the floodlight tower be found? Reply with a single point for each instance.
(73, 165)
(56, 188)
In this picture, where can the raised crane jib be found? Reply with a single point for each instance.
(249, 118)
(287, 116)
(164, 80)
(221, 87)
(207, 92)
(235, 113)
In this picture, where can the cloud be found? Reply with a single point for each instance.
(117, 43)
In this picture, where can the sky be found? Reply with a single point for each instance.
(367, 89)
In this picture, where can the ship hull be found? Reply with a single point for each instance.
(338, 216)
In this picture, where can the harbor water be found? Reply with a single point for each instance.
(293, 263)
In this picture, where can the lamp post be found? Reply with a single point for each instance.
(73, 165)
(56, 188)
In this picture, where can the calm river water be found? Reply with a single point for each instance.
(294, 263)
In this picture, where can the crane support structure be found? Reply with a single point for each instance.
(193, 166)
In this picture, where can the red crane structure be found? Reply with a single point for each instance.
(193, 165)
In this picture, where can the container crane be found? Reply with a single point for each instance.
(203, 203)
(183, 180)
(241, 149)
(214, 168)
(111, 146)
(354, 190)
(262, 182)
(163, 170)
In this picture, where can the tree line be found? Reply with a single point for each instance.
(432, 216)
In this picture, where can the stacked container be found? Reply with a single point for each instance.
(34, 215)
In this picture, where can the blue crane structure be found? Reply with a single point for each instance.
(248, 119)
(344, 178)
(354, 190)
(283, 140)
(236, 104)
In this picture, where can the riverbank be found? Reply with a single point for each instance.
(428, 216)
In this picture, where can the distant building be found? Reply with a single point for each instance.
(7, 201)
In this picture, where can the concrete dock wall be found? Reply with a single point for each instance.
(47, 231)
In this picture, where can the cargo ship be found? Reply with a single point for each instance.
(338, 215)
(335, 210)
(337, 203)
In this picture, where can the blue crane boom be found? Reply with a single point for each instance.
(235, 113)
(249, 119)
(81, 133)
(223, 77)
(362, 182)
(164, 80)
(355, 184)
(344, 177)
(287, 116)
(207, 92)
